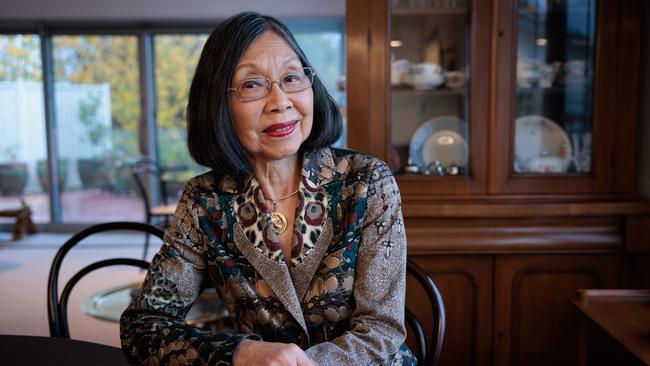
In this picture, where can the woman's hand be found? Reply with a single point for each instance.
(271, 354)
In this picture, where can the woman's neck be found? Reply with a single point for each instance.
(278, 178)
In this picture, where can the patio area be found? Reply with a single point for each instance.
(82, 206)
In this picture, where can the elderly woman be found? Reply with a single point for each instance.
(303, 242)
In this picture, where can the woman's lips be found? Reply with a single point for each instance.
(281, 129)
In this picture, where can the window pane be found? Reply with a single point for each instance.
(97, 103)
(22, 124)
(175, 58)
(322, 41)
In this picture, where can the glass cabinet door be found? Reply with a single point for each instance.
(429, 87)
(555, 66)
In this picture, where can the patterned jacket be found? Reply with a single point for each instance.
(341, 299)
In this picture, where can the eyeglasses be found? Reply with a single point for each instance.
(249, 90)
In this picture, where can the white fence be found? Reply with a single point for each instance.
(79, 109)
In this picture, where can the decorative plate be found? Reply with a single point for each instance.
(441, 139)
(541, 146)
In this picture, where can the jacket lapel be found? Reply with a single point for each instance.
(303, 272)
(274, 273)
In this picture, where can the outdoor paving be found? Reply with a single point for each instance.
(82, 206)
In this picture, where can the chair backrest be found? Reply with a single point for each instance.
(140, 169)
(57, 306)
(145, 166)
(428, 353)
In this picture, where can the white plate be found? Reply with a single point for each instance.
(541, 146)
(440, 139)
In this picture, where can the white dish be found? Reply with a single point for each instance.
(441, 139)
(541, 146)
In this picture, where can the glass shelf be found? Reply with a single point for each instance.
(406, 89)
(426, 11)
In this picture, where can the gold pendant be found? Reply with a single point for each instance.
(279, 222)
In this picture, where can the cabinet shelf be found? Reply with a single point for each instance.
(535, 11)
(441, 91)
(419, 11)
(553, 90)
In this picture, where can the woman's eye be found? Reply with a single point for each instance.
(251, 84)
(291, 78)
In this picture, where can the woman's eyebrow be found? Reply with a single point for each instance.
(254, 66)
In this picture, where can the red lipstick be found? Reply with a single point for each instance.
(281, 129)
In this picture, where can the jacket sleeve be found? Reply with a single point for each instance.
(153, 329)
(377, 323)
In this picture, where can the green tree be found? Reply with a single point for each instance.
(175, 58)
(105, 59)
(20, 57)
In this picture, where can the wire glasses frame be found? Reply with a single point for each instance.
(252, 89)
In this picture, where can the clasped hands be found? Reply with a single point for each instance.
(251, 352)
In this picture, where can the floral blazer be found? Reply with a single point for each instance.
(340, 296)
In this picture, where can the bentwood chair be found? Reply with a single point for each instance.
(143, 168)
(57, 305)
(427, 352)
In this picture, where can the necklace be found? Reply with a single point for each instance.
(278, 219)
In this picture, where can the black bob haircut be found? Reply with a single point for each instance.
(211, 137)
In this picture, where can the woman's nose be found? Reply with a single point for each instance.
(278, 98)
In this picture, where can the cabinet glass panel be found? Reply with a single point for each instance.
(430, 87)
(555, 79)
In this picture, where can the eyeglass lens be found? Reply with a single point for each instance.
(291, 82)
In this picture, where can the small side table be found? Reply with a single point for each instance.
(616, 327)
(23, 215)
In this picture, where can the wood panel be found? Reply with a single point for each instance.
(637, 270)
(465, 284)
(534, 323)
(637, 234)
(494, 236)
(479, 207)
(357, 76)
(627, 90)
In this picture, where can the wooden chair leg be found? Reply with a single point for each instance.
(19, 228)
(31, 228)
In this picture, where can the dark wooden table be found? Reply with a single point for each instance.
(30, 350)
(616, 328)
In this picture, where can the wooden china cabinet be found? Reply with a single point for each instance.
(511, 128)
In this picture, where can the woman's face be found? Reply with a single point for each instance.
(275, 126)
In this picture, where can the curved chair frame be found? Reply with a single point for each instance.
(57, 307)
(148, 166)
(428, 353)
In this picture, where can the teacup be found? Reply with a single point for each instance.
(399, 69)
(454, 79)
(425, 69)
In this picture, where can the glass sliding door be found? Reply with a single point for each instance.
(175, 58)
(97, 107)
(22, 125)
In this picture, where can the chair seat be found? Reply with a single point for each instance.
(164, 210)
